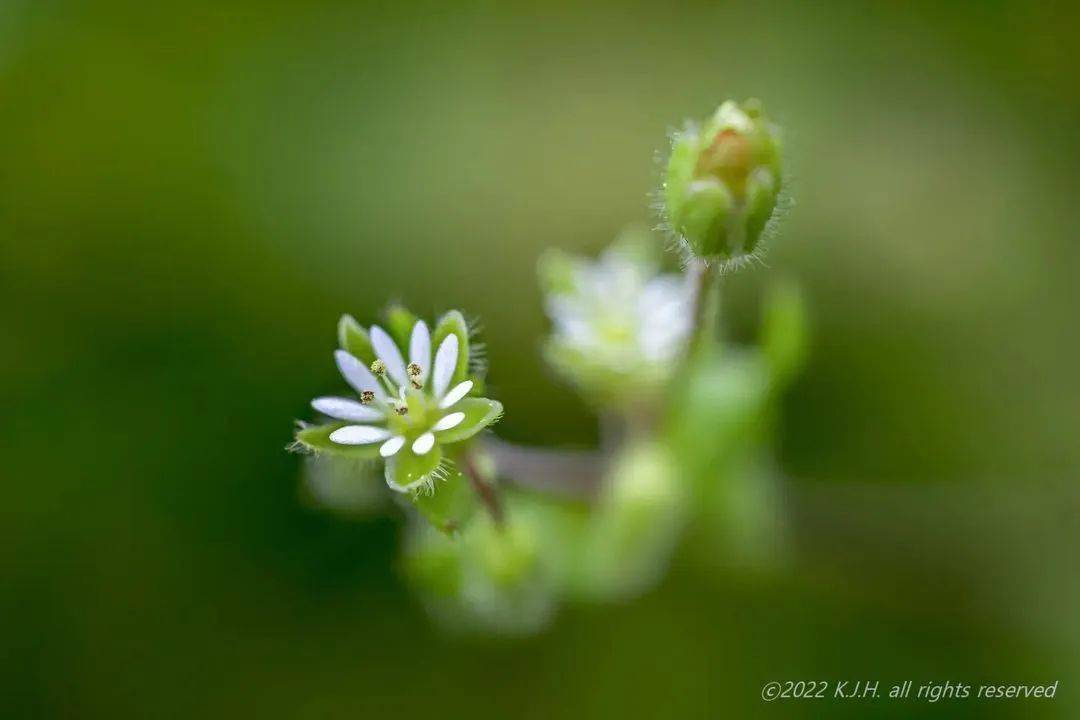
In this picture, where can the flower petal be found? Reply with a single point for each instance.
(358, 435)
(345, 409)
(420, 348)
(388, 352)
(391, 446)
(456, 393)
(445, 364)
(449, 421)
(423, 444)
(358, 376)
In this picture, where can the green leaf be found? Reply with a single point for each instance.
(719, 415)
(409, 471)
(354, 339)
(453, 322)
(450, 506)
(479, 414)
(784, 331)
(316, 438)
(399, 322)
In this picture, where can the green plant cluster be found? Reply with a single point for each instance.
(495, 538)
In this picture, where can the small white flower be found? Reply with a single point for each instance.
(620, 315)
(406, 409)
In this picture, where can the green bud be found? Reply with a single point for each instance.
(723, 181)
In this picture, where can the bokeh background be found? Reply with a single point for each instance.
(190, 195)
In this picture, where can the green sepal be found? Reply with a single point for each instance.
(453, 322)
(637, 245)
(408, 471)
(680, 173)
(479, 414)
(556, 270)
(399, 323)
(704, 216)
(761, 193)
(354, 339)
(451, 504)
(316, 439)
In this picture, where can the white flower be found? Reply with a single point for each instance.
(405, 411)
(619, 315)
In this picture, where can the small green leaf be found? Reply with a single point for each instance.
(450, 506)
(479, 414)
(316, 438)
(408, 471)
(399, 322)
(454, 322)
(719, 414)
(354, 339)
(783, 330)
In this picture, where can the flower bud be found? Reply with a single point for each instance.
(723, 181)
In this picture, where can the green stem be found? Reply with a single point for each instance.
(706, 281)
(483, 489)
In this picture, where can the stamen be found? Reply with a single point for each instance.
(414, 370)
(367, 397)
(378, 368)
(417, 385)
(402, 409)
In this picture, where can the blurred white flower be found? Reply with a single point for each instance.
(616, 315)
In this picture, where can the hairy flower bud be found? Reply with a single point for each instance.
(723, 181)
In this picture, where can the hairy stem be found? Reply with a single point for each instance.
(706, 281)
(483, 489)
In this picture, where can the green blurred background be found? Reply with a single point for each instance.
(190, 195)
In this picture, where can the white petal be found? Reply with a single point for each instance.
(345, 409)
(358, 435)
(420, 348)
(391, 446)
(358, 376)
(449, 421)
(445, 364)
(388, 352)
(459, 391)
(423, 444)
